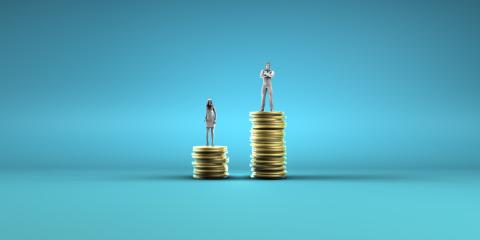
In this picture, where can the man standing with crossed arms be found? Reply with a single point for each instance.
(267, 74)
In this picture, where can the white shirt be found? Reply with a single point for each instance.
(264, 74)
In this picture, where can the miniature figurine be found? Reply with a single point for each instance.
(267, 74)
(210, 119)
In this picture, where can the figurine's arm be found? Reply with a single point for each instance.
(262, 74)
(272, 73)
(206, 111)
(214, 115)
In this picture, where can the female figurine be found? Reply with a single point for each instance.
(210, 118)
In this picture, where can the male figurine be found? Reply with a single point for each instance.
(267, 74)
(210, 118)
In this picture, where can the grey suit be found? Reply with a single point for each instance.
(267, 86)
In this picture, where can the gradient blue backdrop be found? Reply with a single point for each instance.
(123, 83)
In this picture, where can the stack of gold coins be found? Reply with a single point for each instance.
(210, 162)
(268, 145)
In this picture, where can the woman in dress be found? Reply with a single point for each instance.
(210, 119)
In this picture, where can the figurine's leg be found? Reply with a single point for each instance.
(270, 93)
(264, 93)
(207, 137)
(213, 135)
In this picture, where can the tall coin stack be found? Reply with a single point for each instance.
(268, 145)
(210, 162)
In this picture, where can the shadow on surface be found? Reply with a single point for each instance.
(347, 177)
(152, 177)
(352, 177)
(175, 178)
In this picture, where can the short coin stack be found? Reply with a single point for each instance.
(210, 162)
(268, 145)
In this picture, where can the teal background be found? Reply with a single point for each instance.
(102, 101)
(365, 84)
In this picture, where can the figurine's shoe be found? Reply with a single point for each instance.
(261, 110)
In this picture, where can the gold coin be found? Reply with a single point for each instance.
(211, 173)
(271, 147)
(272, 127)
(269, 165)
(269, 174)
(210, 153)
(210, 177)
(208, 156)
(267, 121)
(265, 136)
(208, 171)
(217, 173)
(270, 134)
(261, 154)
(274, 138)
(276, 149)
(199, 167)
(267, 132)
(262, 121)
(257, 152)
(266, 160)
(205, 171)
(254, 175)
(199, 171)
(266, 139)
(268, 118)
(263, 142)
(267, 144)
(210, 166)
(211, 160)
(281, 172)
(266, 113)
(216, 163)
(209, 163)
(267, 168)
(267, 126)
(269, 158)
(206, 153)
(260, 131)
(278, 120)
(202, 161)
(266, 172)
(209, 148)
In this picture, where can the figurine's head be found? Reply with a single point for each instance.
(209, 103)
(267, 66)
